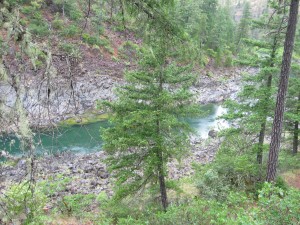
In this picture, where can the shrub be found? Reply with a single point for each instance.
(28, 10)
(279, 206)
(77, 204)
(57, 23)
(75, 14)
(54, 185)
(70, 49)
(91, 40)
(129, 49)
(70, 31)
(234, 168)
(21, 204)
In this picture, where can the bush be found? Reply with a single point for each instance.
(70, 49)
(39, 30)
(57, 23)
(75, 14)
(91, 40)
(234, 168)
(213, 186)
(28, 10)
(54, 185)
(279, 206)
(77, 205)
(21, 205)
(129, 49)
(70, 31)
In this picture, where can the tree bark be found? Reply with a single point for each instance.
(296, 130)
(263, 125)
(159, 153)
(282, 90)
(262, 132)
(162, 183)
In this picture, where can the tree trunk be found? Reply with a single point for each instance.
(162, 183)
(263, 125)
(282, 90)
(296, 130)
(159, 153)
(267, 98)
(261, 142)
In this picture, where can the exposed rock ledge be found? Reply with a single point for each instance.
(59, 98)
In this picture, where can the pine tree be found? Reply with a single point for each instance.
(256, 103)
(282, 90)
(147, 121)
(148, 130)
(292, 113)
(244, 25)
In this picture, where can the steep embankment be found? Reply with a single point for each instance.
(76, 59)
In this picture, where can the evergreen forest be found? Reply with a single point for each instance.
(149, 112)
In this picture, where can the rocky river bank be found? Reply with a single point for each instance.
(87, 173)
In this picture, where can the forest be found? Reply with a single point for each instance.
(149, 112)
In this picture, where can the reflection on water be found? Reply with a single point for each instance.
(86, 138)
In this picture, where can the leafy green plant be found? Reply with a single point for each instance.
(57, 23)
(54, 184)
(22, 205)
(70, 31)
(279, 206)
(92, 40)
(234, 168)
(71, 49)
(77, 204)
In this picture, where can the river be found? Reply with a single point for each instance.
(86, 138)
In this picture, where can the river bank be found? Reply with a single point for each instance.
(87, 173)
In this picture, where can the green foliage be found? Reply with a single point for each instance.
(28, 10)
(147, 130)
(21, 204)
(54, 185)
(38, 26)
(92, 40)
(77, 204)
(234, 168)
(57, 23)
(279, 206)
(129, 50)
(70, 8)
(243, 29)
(274, 206)
(71, 49)
(70, 31)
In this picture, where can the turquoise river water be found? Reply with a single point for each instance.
(86, 138)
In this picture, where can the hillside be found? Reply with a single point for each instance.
(148, 112)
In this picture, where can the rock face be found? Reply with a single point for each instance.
(48, 100)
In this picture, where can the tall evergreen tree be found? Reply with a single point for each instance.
(147, 127)
(256, 100)
(292, 113)
(282, 90)
(244, 25)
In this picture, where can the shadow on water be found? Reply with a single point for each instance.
(86, 138)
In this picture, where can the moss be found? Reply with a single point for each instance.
(87, 118)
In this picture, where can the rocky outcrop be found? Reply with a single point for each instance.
(48, 100)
